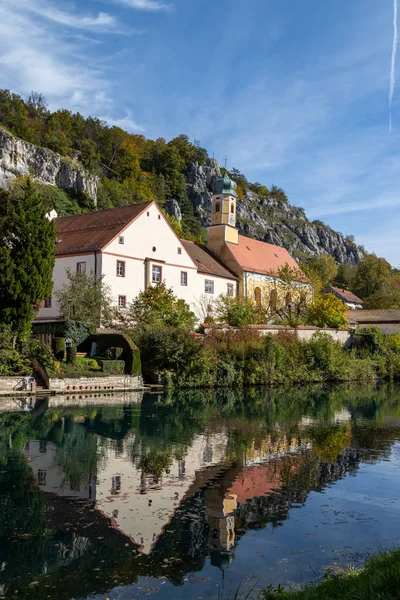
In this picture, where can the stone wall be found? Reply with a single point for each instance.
(303, 333)
(8, 385)
(82, 384)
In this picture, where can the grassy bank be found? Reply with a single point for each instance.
(378, 580)
(244, 358)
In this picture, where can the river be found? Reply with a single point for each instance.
(137, 496)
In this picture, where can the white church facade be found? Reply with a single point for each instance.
(133, 247)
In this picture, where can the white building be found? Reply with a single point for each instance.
(134, 247)
(140, 506)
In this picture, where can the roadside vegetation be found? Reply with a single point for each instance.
(379, 579)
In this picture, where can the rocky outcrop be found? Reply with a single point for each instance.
(21, 158)
(172, 207)
(271, 220)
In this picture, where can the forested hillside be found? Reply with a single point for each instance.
(178, 174)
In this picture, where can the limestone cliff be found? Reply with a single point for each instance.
(21, 158)
(271, 220)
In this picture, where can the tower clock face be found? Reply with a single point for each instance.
(232, 220)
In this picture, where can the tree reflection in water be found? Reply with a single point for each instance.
(95, 496)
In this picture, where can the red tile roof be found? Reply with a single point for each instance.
(260, 257)
(92, 231)
(258, 481)
(205, 261)
(345, 295)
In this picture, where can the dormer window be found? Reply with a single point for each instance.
(217, 207)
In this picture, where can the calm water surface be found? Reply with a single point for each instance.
(135, 496)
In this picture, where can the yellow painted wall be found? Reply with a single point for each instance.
(281, 288)
(217, 236)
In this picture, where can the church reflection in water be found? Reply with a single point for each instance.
(134, 483)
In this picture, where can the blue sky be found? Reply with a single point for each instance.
(294, 92)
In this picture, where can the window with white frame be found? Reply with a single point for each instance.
(184, 278)
(156, 274)
(121, 301)
(179, 250)
(229, 289)
(120, 268)
(209, 286)
(121, 239)
(81, 268)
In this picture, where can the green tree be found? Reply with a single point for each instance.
(373, 276)
(327, 311)
(27, 242)
(322, 267)
(237, 312)
(86, 298)
(158, 307)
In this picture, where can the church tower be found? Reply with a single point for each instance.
(223, 218)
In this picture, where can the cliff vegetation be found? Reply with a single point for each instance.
(121, 168)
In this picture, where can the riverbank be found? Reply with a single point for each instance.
(379, 578)
(244, 358)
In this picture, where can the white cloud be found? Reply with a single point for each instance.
(37, 54)
(149, 5)
(126, 123)
(75, 20)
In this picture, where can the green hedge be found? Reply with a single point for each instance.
(59, 348)
(71, 355)
(112, 367)
(131, 353)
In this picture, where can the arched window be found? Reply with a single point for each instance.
(217, 207)
(232, 208)
(257, 297)
(288, 299)
(273, 300)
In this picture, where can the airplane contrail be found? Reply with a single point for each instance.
(393, 66)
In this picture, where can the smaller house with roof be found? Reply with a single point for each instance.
(387, 320)
(345, 296)
(257, 264)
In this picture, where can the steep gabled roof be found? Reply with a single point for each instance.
(205, 261)
(259, 257)
(344, 295)
(92, 231)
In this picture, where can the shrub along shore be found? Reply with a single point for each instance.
(244, 358)
(379, 578)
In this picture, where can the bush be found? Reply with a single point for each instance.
(38, 351)
(59, 348)
(113, 353)
(13, 364)
(71, 355)
(327, 357)
(236, 312)
(112, 367)
(5, 336)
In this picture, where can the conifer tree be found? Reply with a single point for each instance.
(27, 240)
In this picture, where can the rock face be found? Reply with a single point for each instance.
(21, 158)
(271, 220)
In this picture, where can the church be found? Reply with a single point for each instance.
(256, 264)
(133, 247)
